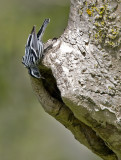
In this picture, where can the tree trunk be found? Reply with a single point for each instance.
(82, 70)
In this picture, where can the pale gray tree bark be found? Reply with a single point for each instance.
(82, 70)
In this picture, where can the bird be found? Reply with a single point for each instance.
(34, 50)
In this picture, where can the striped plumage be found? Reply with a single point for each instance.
(34, 50)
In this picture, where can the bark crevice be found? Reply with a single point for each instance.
(82, 85)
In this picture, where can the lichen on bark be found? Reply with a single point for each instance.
(82, 70)
(106, 28)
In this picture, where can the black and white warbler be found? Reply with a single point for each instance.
(34, 50)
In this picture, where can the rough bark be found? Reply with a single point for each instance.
(82, 70)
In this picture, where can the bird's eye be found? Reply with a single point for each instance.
(37, 74)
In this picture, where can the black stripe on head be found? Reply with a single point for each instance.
(34, 72)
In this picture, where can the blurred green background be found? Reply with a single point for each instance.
(26, 131)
